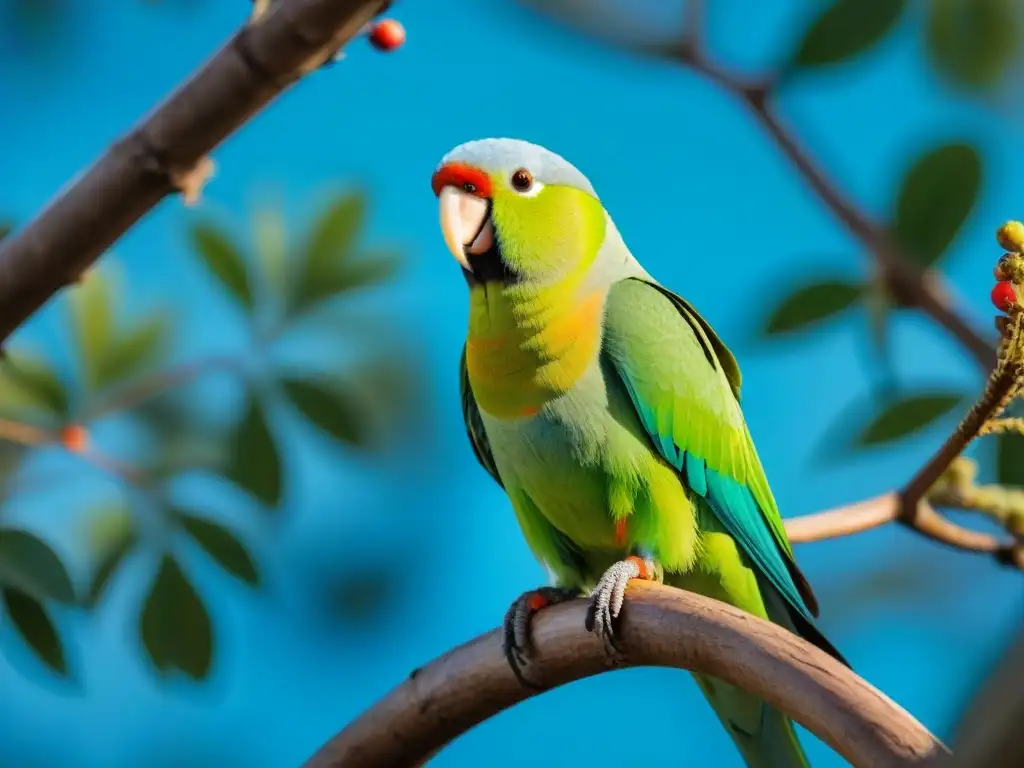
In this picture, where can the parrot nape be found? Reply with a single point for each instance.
(608, 410)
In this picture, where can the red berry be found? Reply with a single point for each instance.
(387, 35)
(1003, 296)
(75, 438)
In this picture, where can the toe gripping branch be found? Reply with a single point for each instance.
(516, 641)
(608, 596)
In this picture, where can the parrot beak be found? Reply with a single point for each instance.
(465, 224)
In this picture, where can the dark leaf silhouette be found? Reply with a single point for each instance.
(1010, 461)
(255, 460)
(936, 197)
(908, 415)
(30, 565)
(27, 380)
(113, 556)
(973, 43)
(175, 625)
(222, 545)
(224, 259)
(332, 407)
(846, 29)
(92, 306)
(811, 304)
(134, 351)
(35, 626)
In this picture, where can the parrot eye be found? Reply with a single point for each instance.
(522, 180)
(469, 187)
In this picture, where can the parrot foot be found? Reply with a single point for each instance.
(516, 642)
(607, 598)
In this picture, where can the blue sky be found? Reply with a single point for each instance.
(705, 202)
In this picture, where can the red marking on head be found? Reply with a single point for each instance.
(621, 531)
(641, 565)
(536, 601)
(459, 175)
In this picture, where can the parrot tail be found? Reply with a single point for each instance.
(765, 737)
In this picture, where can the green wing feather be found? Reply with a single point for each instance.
(685, 384)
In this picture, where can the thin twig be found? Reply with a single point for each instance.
(25, 434)
(137, 392)
(906, 281)
(251, 69)
(660, 626)
(880, 510)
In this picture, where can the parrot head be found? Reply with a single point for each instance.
(512, 211)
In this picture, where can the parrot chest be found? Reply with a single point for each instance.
(581, 461)
(523, 352)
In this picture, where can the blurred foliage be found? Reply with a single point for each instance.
(907, 415)
(935, 198)
(123, 366)
(845, 29)
(973, 43)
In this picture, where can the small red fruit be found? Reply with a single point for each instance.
(1003, 296)
(387, 35)
(75, 438)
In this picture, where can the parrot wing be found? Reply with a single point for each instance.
(684, 384)
(474, 424)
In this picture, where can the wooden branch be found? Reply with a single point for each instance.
(914, 286)
(259, 62)
(661, 626)
(877, 511)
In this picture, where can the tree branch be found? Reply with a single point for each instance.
(661, 626)
(875, 512)
(259, 62)
(912, 285)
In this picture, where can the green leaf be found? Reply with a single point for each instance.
(255, 462)
(846, 29)
(27, 381)
(223, 546)
(29, 564)
(330, 406)
(973, 43)
(134, 351)
(333, 235)
(271, 245)
(115, 550)
(330, 245)
(908, 415)
(175, 625)
(36, 628)
(92, 318)
(812, 304)
(224, 259)
(1010, 460)
(938, 194)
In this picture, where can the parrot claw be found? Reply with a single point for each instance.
(516, 641)
(608, 596)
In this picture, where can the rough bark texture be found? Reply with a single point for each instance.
(254, 66)
(661, 626)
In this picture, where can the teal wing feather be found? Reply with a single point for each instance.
(684, 384)
(474, 424)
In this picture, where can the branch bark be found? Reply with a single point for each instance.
(259, 62)
(661, 626)
(905, 279)
(887, 508)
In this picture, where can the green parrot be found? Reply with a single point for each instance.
(609, 411)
